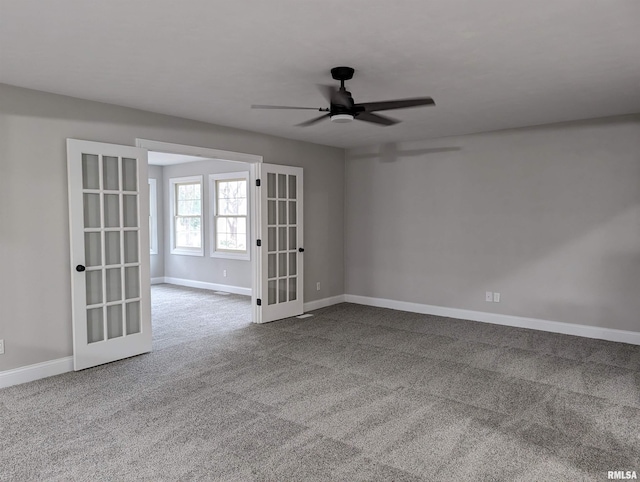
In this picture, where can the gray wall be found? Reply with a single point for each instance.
(157, 260)
(35, 295)
(549, 217)
(203, 268)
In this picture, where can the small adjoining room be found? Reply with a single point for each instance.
(316, 241)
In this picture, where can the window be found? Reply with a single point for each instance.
(186, 216)
(230, 204)
(153, 216)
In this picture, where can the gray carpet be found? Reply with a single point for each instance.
(353, 393)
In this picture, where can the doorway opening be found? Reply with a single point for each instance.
(201, 238)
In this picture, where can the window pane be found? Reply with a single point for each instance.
(187, 232)
(231, 197)
(189, 208)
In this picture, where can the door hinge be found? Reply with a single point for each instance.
(258, 182)
(259, 302)
(259, 242)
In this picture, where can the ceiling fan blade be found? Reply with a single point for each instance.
(394, 104)
(334, 96)
(376, 119)
(313, 121)
(285, 107)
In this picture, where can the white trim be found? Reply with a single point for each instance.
(204, 152)
(173, 182)
(157, 281)
(36, 371)
(213, 198)
(323, 303)
(238, 290)
(610, 334)
(153, 216)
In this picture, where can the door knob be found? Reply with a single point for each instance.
(80, 268)
(301, 250)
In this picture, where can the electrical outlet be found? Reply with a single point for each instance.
(224, 273)
(1, 347)
(318, 286)
(496, 297)
(488, 296)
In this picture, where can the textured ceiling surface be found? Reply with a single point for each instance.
(489, 65)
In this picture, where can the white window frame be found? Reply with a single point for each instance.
(173, 182)
(213, 195)
(153, 216)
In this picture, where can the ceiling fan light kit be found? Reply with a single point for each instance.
(343, 109)
(341, 118)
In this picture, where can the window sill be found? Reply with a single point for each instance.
(225, 255)
(187, 252)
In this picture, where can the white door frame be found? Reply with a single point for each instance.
(217, 154)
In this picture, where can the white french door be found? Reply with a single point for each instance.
(109, 224)
(281, 236)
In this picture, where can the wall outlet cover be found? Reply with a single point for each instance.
(496, 297)
(488, 296)
(1, 347)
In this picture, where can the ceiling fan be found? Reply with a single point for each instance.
(342, 107)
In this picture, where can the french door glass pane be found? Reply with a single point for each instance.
(293, 238)
(110, 176)
(272, 292)
(282, 212)
(91, 210)
(271, 212)
(131, 246)
(112, 247)
(90, 172)
(112, 210)
(94, 286)
(282, 185)
(92, 249)
(95, 325)
(272, 266)
(129, 174)
(130, 210)
(293, 218)
(282, 239)
(114, 321)
(282, 290)
(292, 187)
(271, 185)
(133, 317)
(271, 245)
(114, 284)
(293, 259)
(293, 288)
(282, 264)
(132, 282)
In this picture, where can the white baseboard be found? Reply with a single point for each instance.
(610, 334)
(157, 281)
(324, 302)
(208, 286)
(36, 371)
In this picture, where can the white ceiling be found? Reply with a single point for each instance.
(490, 64)
(166, 159)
